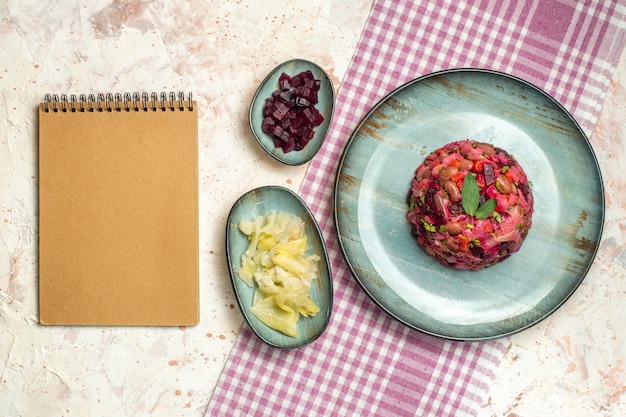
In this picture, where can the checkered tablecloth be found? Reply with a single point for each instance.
(367, 364)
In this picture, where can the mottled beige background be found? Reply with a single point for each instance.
(571, 364)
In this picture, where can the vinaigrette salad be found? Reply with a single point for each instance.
(470, 205)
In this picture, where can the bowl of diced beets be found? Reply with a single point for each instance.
(291, 111)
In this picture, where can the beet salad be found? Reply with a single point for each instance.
(470, 205)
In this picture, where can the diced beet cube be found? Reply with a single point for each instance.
(308, 135)
(285, 123)
(306, 93)
(298, 122)
(301, 140)
(319, 119)
(284, 81)
(302, 102)
(280, 112)
(268, 125)
(286, 95)
(490, 176)
(309, 114)
(288, 146)
(278, 131)
(296, 81)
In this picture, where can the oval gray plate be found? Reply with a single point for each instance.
(373, 180)
(278, 199)
(326, 106)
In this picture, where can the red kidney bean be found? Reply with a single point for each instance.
(440, 203)
(503, 184)
(488, 150)
(466, 165)
(454, 228)
(447, 172)
(453, 191)
(424, 173)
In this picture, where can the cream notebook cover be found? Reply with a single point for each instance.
(118, 210)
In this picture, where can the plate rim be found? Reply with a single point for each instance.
(345, 152)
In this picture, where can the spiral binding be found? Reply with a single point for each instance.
(117, 102)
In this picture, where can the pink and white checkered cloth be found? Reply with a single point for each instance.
(367, 364)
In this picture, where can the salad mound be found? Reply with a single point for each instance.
(470, 205)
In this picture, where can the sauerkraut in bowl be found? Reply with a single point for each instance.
(470, 205)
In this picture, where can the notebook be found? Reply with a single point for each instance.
(118, 210)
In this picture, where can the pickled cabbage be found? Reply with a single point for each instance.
(277, 266)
